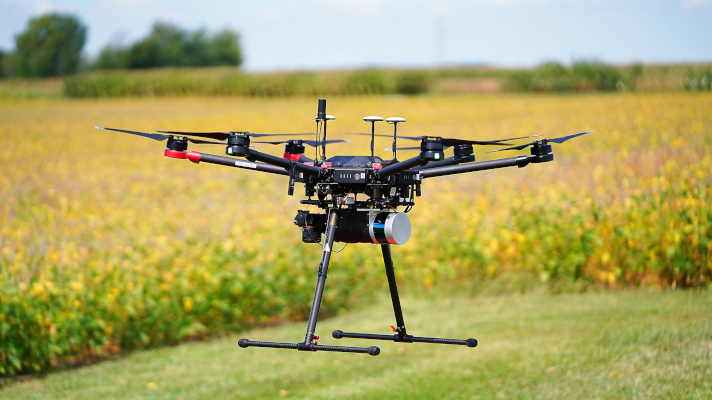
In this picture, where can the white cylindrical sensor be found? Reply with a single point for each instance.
(389, 227)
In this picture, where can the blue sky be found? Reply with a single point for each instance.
(319, 34)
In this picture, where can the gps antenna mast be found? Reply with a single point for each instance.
(372, 119)
(394, 121)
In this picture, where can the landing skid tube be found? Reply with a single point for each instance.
(373, 350)
(311, 342)
(401, 335)
(406, 339)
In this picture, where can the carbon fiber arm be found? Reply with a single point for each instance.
(400, 166)
(231, 162)
(282, 162)
(519, 161)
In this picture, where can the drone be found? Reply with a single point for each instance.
(358, 197)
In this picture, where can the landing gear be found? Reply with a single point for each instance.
(401, 335)
(310, 342)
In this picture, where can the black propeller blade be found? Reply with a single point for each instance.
(453, 141)
(412, 148)
(225, 135)
(156, 136)
(312, 143)
(554, 140)
(153, 136)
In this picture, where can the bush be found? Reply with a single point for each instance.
(701, 80)
(582, 76)
(412, 83)
(112, 57)
(366, 82)
(594, 75)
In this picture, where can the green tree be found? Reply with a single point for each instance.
(2, 64)
(162, 48)
(113, 57)
(225, 48)
(50, 46)
(169, 46)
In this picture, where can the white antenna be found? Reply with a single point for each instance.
(372, 119)
(394, 121)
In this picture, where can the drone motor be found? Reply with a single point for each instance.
(238, 145)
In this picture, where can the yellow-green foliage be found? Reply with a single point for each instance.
(106, 245)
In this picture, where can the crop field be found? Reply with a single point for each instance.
(107, 246)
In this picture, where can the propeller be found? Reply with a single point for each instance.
(156, 136)
(411, 148)
(225, 135)
(555, 140)
(312, 143)
(453, 141)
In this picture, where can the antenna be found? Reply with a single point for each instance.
(394, 121)
(321, 116)
(372, 119)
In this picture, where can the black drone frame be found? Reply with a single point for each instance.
(404, 178)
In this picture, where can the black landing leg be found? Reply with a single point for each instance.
(401, 334)
(310, 342)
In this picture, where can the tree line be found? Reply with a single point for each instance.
(52, 44)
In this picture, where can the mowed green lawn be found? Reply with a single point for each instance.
(598, 345)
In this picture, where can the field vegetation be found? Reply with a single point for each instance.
(584, 76)
(609, 345)
(106, 246)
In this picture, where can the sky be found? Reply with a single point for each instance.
(336, 34)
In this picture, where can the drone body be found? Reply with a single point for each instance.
(359, 197)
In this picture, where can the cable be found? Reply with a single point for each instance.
(312, 238)
(412, 198)
(323, 145)
(316, 147)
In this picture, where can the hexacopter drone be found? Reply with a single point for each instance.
(333, 185)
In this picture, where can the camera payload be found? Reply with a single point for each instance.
(357, 226)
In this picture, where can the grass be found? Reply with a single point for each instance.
(598, 345)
